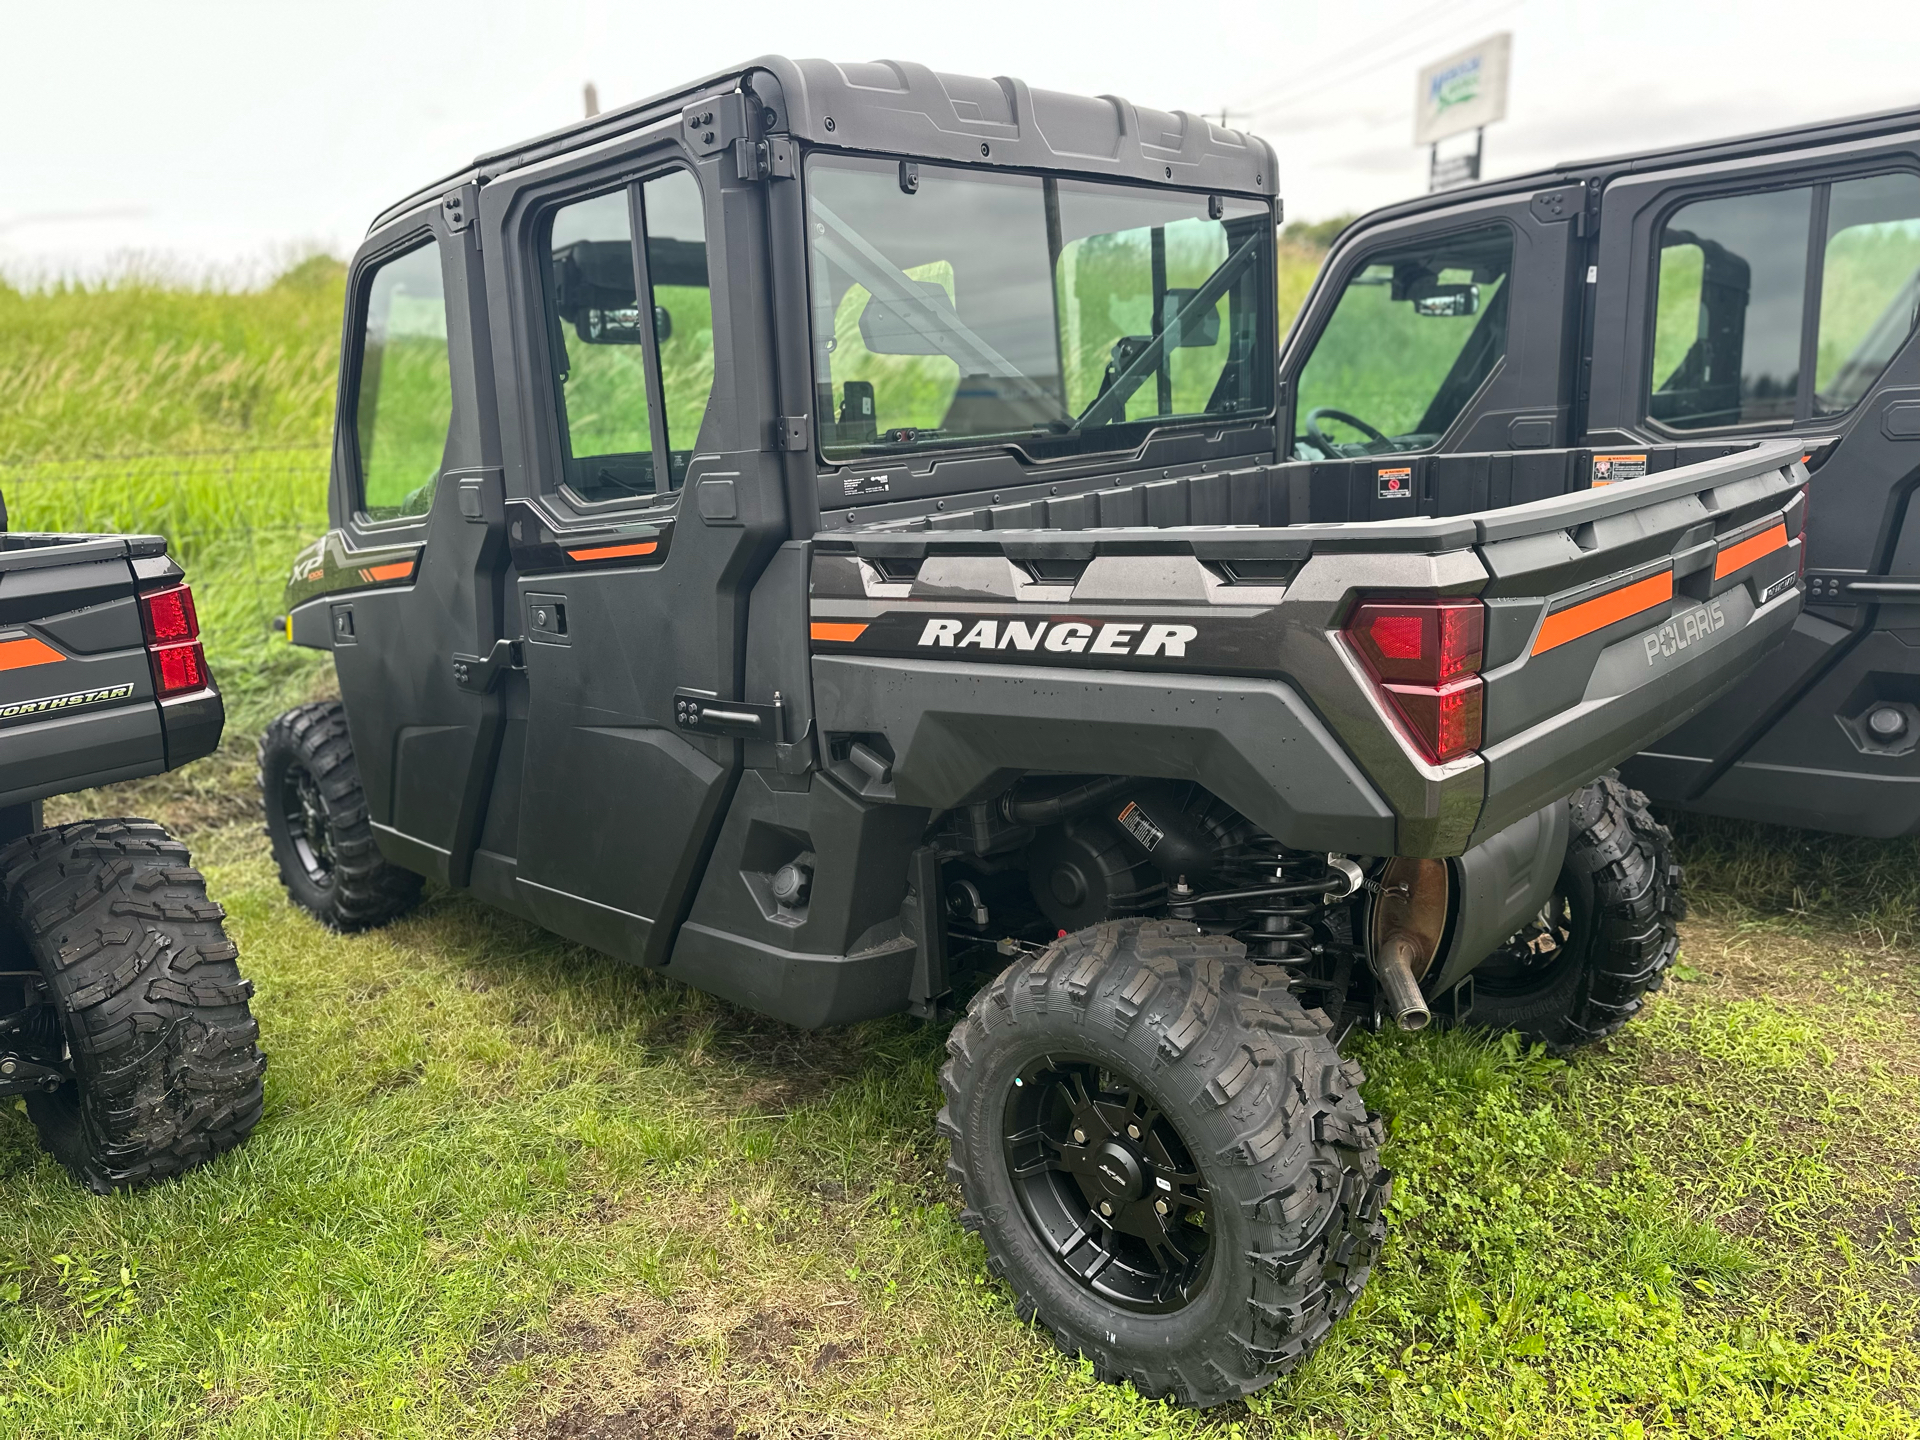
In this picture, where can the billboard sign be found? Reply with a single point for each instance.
(1466, 90)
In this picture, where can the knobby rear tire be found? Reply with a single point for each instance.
(147, 990)
(1622, 891)
(1261, 1099)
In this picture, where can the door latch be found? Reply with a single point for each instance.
(477, 673)
(700, 714)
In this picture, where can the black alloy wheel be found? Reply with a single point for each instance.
(1537, 957)
(304, 812)
(1106, 1178)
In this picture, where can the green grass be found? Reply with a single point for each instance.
(501, 1180)
(507, 1188)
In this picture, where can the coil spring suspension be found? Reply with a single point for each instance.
(1274, 928)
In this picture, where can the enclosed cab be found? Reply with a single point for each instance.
(1602, 321)
(829, 528)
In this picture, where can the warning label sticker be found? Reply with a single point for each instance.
(1394, 484)
(1137, 823)
(866, 484)
(1611, 469)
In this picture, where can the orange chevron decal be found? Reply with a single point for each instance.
(614, 552)
(398, 570)
(1601, 611)
(18, 654)
(1749, 550)
(846, 634)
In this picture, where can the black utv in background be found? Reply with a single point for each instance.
(832, 522)
(124, 1022)
(1594, 321)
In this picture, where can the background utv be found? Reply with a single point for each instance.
(795, 522)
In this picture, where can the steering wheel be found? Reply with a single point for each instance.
(1326, 412)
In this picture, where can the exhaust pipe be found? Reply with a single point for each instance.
(1409, 919)
(1393, 965)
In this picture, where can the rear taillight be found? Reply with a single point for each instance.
(1424, 657)
(173, 641)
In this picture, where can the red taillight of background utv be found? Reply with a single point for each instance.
(1424, 657)
(169, 615)
(173, 641)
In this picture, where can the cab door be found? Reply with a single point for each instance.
(1779, 295)
(1439, 331)
(645, 500)
(419, 537)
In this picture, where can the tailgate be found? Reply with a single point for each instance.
(1612, 615)
(1605, 634)
(77, 704)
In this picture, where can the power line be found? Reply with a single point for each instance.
(1284, 101)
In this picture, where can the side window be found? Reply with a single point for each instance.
(597, 341)
(404, 404)
(1728, 310)
(1738, 338)
(682, 310)
(1869, 286)
(1415, 334)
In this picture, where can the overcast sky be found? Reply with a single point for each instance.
(205, 133)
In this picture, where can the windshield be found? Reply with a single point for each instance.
(960, 307)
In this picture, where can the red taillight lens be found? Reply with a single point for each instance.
(179, 668)
(173, 641)
(1444, 720)
(1424, 656)
(169, 615)
(1427, 642)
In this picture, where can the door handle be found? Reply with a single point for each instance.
(701, 714)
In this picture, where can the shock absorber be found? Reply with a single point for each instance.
(1269, 896)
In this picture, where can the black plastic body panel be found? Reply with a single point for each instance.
(77, 702)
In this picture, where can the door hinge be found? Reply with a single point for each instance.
(773, 158)
(793, 432)
(476, 674)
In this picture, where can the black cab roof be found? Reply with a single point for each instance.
(894, 107)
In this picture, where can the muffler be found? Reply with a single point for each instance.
(1409, 920)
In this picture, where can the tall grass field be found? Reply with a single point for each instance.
(507, 1188)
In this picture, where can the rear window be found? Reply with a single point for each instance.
(404, 404)
(1747, 332)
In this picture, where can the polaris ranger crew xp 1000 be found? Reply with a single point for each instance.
(1634, 309)
(792, 529)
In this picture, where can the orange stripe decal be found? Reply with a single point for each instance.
(1749, 550)
(846, 634)
(398, 570)
(1601, 611)
(614, 552)
(18, 654)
